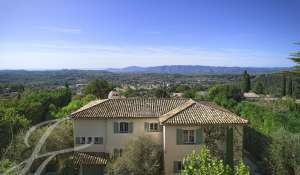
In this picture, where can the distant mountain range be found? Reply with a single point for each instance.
(197, 69)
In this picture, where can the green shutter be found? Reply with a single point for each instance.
(160, 127)
(175, 166)
(199, 136)
(229, 147)
(116, 127)
(146, 127)
(130, 127)
(179, 136)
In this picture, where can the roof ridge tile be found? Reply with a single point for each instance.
(176, 110)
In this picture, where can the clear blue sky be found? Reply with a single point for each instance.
(55, 34)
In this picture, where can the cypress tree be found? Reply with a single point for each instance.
(283, 92)
(246, 82)
(290, 87)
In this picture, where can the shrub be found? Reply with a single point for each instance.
(205, 164)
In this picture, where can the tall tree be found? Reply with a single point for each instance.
(290, 87)
(295, 57)
(99, 88)
(283, 92)
(246, 82)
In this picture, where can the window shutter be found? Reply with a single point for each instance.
(175, 166)
(160, 127)
(130, 127)
(100, 140)
(77, 140)
(179, 136)
(199, 136)
(146, 127)
(116, 127)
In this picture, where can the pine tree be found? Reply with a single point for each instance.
(295, 57)
(246, 82)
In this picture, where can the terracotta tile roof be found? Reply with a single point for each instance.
(176, 110)
(129, 107)
(90, 158)
(204, 113)
(169, 111)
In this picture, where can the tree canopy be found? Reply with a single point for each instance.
(99, 88)
(246, 82)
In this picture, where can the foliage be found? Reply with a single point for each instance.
(10, 124)
(274, 84)
(5, 164)
(182, 88)
(271, 140)
(203, 163)
(225, 95)
(259, 88)
(246, 82)
(295, 57)
(190, 93)
(285, 153)
(36, 106)
(73, 106)
(289, 91)
(242, 169)
(161, 93)
(61, 138)
(140, 156)
(283, 93)
(99, 88)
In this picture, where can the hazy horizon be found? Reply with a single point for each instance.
(54, 34)
(107, 68)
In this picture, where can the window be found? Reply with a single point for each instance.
(89, 140)
(123, 127)
(177, 166)
(153, 127)
(82, 140)
(188, 136)
(98, 140)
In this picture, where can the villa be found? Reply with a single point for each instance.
(179, 125)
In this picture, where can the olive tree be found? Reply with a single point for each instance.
(140, 156)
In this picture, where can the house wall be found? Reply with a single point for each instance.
(105, 128)
(91, 128)
(214, 137)
(174, 152)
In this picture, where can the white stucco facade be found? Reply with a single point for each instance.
(105, 128)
